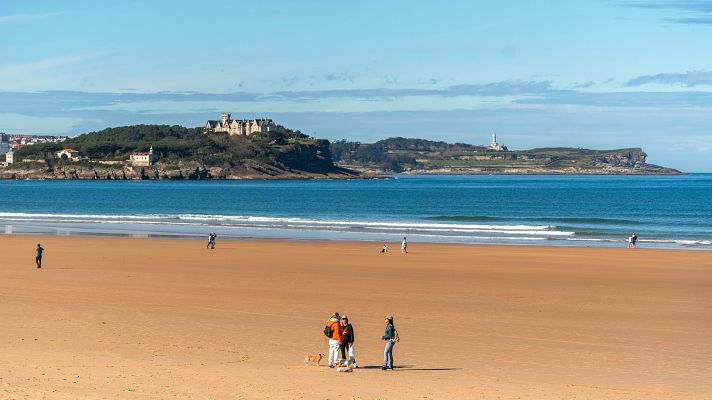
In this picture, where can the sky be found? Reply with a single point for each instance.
(601, 74)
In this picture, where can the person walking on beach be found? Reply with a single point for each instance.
(347, 341)
(390, 337)
(211, 240)
(632, 241)
(38, 258)
(404, 246)
(334, 330)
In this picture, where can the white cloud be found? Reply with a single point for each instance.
(40, 65)
(27, 17)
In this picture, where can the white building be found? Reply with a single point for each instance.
(497, 146)
(142, 159)
(9, 157)
(70, 153)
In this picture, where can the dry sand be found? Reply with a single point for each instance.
(153, 318)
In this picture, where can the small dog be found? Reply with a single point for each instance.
(313, 359)
(346, 365)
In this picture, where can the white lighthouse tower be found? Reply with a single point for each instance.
(496, 146)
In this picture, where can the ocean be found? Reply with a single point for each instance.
(664, 211)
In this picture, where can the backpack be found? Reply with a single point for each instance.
(327, 331)
(395, 338)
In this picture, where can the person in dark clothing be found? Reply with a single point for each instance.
(388, 337)
(632, 239)
(347, 340)
(38, 258)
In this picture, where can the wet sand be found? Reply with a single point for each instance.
(155, 318)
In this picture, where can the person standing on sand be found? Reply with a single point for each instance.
(38, 258)
(347, 340)
(334, 339)
(632, 241)
(388, 337)
(404, 246)
(211, 240)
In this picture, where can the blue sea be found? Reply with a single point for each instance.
(665, 211)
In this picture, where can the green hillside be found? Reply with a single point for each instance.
(281, 148)
(425, 156)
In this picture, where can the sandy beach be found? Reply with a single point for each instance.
(109, 318)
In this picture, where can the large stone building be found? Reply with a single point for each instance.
(238, 126)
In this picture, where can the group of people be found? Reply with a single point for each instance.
(404, 247)
(341, 342)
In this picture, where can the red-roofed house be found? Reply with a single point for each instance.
(70, 153)
(142, 159)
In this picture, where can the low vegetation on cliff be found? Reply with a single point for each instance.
(425, 156)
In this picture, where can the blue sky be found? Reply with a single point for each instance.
(598, 74)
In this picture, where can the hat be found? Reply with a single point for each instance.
(344, 316)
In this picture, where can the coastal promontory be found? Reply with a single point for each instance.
(176, 152)
(261, 149)
(420, 156)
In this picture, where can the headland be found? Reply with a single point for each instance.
(261, 149)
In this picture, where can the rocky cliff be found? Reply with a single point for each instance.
(247, 170)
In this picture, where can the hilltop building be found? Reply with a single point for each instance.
(244, 127)
(71, 154)
(497, 146)
(142, 158)
(9, 157)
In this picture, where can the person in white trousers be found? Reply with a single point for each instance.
(334, 339)
(404, 246)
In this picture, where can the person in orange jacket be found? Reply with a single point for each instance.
(334, 339)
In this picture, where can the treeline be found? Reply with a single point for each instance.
(118, 143)
(393, 154)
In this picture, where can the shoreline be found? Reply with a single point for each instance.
(553, 243)
(376, 245)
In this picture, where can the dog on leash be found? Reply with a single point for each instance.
(346, 365)
(313, 359)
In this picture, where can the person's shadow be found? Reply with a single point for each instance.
(409, 368)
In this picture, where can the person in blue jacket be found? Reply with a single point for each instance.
(388, 337)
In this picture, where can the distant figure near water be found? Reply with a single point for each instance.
(384, 249)
(211, 240)
(632, 241)
(38, 258)
(404, 246)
